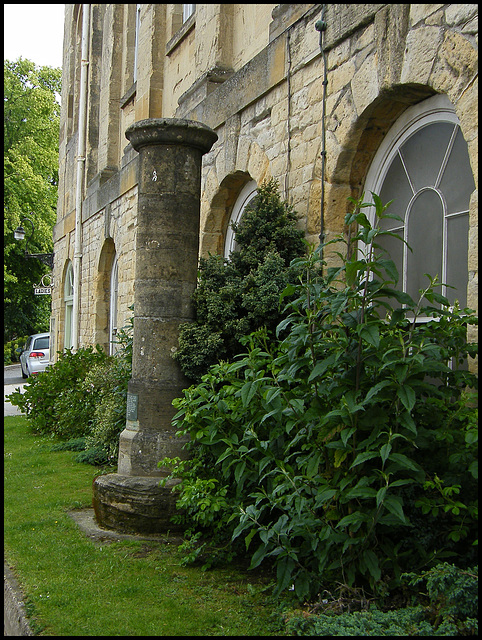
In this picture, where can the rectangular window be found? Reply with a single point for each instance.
(187, 11)
(136, 45)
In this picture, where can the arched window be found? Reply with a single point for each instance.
(247, 194)
(69, 305)
(114, 285)
(423, 166)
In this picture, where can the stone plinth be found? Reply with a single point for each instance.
(167, 245)
(132, 504)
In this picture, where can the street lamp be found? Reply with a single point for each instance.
(19, 234)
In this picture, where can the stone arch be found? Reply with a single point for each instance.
(256, 162)
(251, 163)
(356, 127)
(102, 293)
(345, 172)
(216, 225)
(430, 60)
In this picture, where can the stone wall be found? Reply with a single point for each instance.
(264, 101)
(373, 76)
(110, 233)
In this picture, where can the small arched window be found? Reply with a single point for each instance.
(247, 193)
(114, 286)
(423, 166)
(69, 306)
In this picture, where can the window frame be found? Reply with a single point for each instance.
(187, 11)
(113, 305)
(436, 109)
(247, 193)
(68, 305)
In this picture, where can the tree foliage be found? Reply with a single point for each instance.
(31, 143)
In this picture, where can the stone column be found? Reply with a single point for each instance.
(167, 244)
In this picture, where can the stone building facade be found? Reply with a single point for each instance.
(330, 100)
(254, 74)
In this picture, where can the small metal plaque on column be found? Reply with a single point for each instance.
(132, 401)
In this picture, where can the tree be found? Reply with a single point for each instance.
(31, 143)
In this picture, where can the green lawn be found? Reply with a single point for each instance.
(75, 586)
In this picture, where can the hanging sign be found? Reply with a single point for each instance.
(44, 288)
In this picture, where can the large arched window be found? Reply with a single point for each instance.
(423, 166)
(114, 286)
(69, 306)
(246, 195)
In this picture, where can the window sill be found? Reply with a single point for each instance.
(178, 37)
(128, 96)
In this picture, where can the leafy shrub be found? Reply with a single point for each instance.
(9, 350)
(237, 296)
(316, 453)
(82, 399)
(55, 401)
(108, 383)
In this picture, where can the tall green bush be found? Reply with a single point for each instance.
(237, 296)
(318, 453)
(108, 382)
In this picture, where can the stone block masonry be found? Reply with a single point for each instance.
(253, 74)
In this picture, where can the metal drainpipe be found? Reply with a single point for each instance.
(80, 173)
(320, 26)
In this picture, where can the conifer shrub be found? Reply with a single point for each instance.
(322, 454)
(237, 296)
(448, 606)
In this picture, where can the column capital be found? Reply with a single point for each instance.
(171, 131)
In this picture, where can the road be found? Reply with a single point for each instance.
(12, 378)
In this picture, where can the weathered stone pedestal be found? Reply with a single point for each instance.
(167, 245)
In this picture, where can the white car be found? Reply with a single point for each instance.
(35, 356)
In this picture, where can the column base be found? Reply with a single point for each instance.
(134, 504)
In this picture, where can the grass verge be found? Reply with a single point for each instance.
(76, 587)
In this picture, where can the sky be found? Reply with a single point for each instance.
(35, 32)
